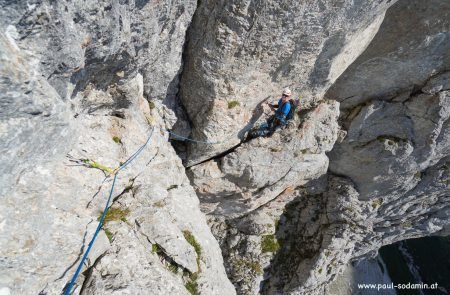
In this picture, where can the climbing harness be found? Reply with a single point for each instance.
(100, 223)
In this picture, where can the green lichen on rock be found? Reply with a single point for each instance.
(276, 149)
(159, 204)
(269, 244)
(406, 224)
(151, 105)
(240, 264)
(117, 139)
(233, 104)
(376, 203)
(115, 214)
(298, 153)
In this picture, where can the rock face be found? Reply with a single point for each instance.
(400, 59)
(73, 109)
(387, 180)
(85, 84)
(263, 169)
(242, 52)
(400, 140)
(81, 41)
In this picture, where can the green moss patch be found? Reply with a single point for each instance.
(191, 240)
(117, 139)
(192, 287)
(156, 249)
(376, 203)
(253, 266)
(233, 104)
(108, 234)
(173, 268)
(269, 244)
(115, 214)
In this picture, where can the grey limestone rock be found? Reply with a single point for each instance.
(240, 53)
(411, 45)
(73, 109)
(85, 83)
(394, 142)
(262, 169)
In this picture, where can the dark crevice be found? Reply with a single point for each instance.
(88, 273)
(178, 107)
(218, 156)
(79, 255)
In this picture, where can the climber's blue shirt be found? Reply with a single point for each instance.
(283, 110)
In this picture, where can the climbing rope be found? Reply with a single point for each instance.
(100, 223)
(177, 136)
(193, 140)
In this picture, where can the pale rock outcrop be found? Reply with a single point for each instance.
(262, 169)
(158, 209)
(412, 45)
(85, 83)
(394, 142)
(103, 41)
(242, 52)
(73, 109)
(162, 208)
(388, 181)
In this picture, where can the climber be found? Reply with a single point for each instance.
(283, 113)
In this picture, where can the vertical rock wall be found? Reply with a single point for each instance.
(73, 78)
(242, 52)
(387, 180)
(84, 83)
(412, 45)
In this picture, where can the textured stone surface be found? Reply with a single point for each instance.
(76, 78)
(262, 169)
(71, 96)
(320, 228)
(92, 40)
(103, 42)
(412, 45)
(394, 142)
(246, 51)
(160, 208)
(392, 165)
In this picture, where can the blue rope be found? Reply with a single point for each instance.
(134, 156)
(100, 223)
(99, 226)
